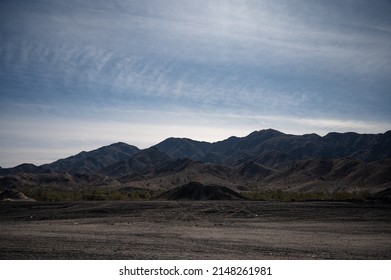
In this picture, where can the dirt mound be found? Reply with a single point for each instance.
(384, 195)
(198, 191)
(11, 195)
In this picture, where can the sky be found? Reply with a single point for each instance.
(79, 74)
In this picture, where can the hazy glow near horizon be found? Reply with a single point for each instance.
(76, 75)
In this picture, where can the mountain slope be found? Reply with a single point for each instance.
(93, 161)
(22, 168)
(344, 172)
(144, 161)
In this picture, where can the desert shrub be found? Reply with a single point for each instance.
(116, 195)
(140, 195)
(94, 197)
(280, 195)
(51, 194)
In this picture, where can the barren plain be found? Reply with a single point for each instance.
(195, 230)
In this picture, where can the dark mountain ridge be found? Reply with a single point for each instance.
(92, 161)
(263, 159)
(95, 160)
(262, 144)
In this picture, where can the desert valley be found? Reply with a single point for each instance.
(268, 195)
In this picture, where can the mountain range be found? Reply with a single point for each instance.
(263, 160)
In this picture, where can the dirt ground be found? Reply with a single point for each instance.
(195, 230)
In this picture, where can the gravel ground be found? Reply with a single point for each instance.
(195, 230)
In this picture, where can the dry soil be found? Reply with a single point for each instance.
(195, 230)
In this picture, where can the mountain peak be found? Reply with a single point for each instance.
(268, 131)
(183, 147)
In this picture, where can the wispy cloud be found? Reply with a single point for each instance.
(224, 66)
(36, 140)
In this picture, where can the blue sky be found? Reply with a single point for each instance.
(79, 74)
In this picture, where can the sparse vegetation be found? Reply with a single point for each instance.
(85, 194)
(106, 194)
(280, 195)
